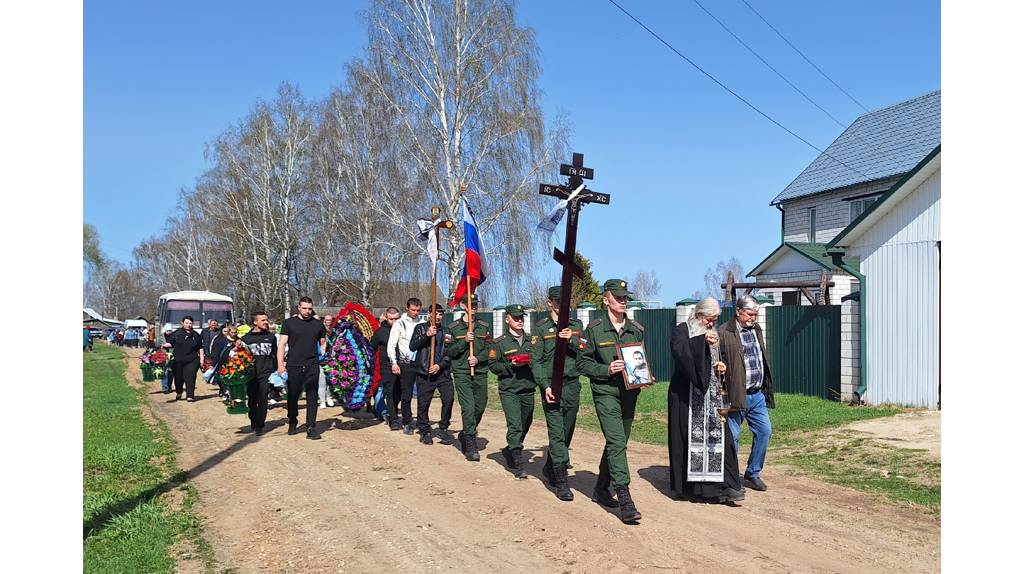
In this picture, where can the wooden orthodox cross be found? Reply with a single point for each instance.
(577, 173)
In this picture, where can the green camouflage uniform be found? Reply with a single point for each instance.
(516, 386)
(471, 390)
(560, 416)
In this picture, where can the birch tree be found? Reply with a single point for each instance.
(462, 78)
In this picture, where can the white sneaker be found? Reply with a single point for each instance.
(323, 405)
(330, 402)
(271, 402)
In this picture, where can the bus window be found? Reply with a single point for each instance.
(219, 311)
(175, 311)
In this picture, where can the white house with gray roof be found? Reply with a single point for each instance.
(859, 183)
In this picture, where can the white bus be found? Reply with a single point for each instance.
(201, 305)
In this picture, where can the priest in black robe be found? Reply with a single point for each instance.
(692, 359)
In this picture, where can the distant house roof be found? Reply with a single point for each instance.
(814, 252)
(91, 313)
(880, 144)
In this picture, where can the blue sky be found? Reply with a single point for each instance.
(691, 169)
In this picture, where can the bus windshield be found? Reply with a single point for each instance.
(175, 311)
(219, 311)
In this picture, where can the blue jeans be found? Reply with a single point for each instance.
(165, 382)
(761, 427)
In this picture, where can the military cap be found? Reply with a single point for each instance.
(515, 309)
(476, 300)
(618, 288)
(555, 292)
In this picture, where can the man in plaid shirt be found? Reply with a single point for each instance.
(749, 383)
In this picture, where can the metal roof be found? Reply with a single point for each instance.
(883, 143)
(815, 252)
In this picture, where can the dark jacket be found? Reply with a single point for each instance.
(420, 344)
(380, 346)
(186, 345)
(732, 356)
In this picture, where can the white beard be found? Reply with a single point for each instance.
(696, 327)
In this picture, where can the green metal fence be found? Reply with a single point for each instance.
(803, 349)
(658, 325)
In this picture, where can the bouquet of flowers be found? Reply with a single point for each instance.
(349, 365)
(159, 361)
(238, 369)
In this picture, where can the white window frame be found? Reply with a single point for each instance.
(860, 205)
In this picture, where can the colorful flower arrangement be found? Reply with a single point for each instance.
(238, 369)
(349, 366)
(159, 361)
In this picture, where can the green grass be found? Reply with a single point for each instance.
(801, 437)
(129, 466)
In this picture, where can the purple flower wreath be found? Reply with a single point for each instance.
(349, 365)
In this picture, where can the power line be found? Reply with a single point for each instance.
(728, 89)
(808, 60)
(770, 67)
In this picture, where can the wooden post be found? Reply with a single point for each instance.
(469, 319)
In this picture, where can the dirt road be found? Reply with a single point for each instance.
(365, 499)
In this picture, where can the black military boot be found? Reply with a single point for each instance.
(548, 472)
(517, 463)
(601, 493)
(561, 482)
(507, 454)
(627, 510)
(469, 448)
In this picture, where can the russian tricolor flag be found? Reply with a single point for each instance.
(475, 266)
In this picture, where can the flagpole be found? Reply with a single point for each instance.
(433, 302)
(469, 319)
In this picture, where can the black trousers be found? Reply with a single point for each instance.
(185, 375)
(303, 378)
(392, 392)
(425, 387)
(406, 381)
(257, 390)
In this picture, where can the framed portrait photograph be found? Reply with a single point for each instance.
(637, 373)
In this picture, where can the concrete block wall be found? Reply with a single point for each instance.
(849, 349)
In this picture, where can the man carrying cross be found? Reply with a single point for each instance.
(560, 413)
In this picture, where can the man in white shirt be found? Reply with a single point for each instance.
(401, 357)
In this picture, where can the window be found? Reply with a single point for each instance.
(812, 230)
(859, 206)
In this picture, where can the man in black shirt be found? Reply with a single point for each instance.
(209, 334)
(188, 355)
(263, 346)
(388, 380)
(430, 377)
(302, 336)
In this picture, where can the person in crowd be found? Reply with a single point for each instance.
(388, 380)
(509, 358)
(433, 374)
(275, 393)
(326, 400)
(131, 338)
(120, 337)
(694, 397)
(471, 388)
(303, 340)
(749, 381)
(187, 345)
(220, 349)
(212, 331)
(86, 339)
(262, 343)
(168, 381)
(615, 405)
(400, 357)
(560, 414)
(151, 337)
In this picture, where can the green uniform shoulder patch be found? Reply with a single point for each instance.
(638, 325)
(482, 323)
(453, 325)
(497, 339)
(594, 323)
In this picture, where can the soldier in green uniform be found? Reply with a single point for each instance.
(471, 389)
(509, 358)
(615, 406)
(560, 415)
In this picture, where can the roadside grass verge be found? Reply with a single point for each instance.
(137, 505)
(805, 437)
